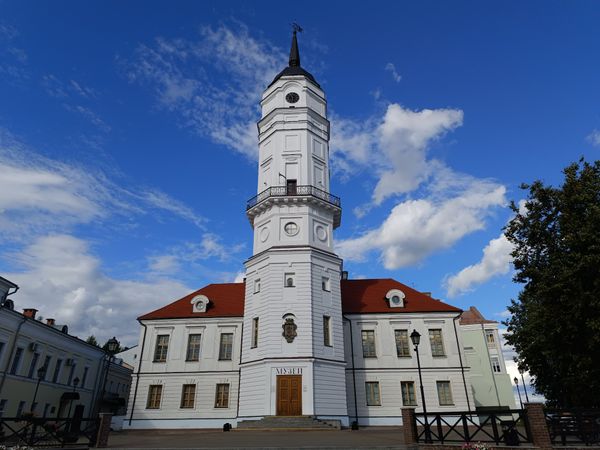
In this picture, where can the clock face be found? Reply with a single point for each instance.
(292, 97)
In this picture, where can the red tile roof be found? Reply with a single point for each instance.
(358, 297)
(472, 317)
(226, 300)
(368, 296)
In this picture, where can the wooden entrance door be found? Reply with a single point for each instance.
(289, 395)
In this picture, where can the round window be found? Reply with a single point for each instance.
(396, 299)
(291, 228)
(292, 97)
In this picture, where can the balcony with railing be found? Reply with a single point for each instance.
(293, 191)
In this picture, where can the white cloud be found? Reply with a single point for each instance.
(594, 138)
(64, 280)
(213, 83)
(416, 228)
(390, 67)
(393, 147)
(496, 261)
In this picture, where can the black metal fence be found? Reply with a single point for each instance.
(284, 191)
(47, 432)
(574, 426)
(509, 427)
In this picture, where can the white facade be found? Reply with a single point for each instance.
(296, 340)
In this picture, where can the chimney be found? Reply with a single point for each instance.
(30, 312)
(344, 274)
(50, 322)
(428, 294)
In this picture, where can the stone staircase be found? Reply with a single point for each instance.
(288, 423)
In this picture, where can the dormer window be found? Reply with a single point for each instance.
(395, 298)
(200, 303)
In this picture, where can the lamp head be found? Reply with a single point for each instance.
(516, 380)
(112, 345)
(75, 381)
(415, 337)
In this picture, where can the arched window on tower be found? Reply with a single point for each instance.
(290, 280)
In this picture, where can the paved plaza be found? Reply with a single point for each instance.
(372, 437)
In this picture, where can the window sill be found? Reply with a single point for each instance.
(221, 407)
(159, 361)
(404, 356)
(369, 357)
(192, 360)
(438, 356)
(224, 359)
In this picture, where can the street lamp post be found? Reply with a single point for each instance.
(524, 385)
(516, 380)
(41, 373)
(415, 337)
(111, 348)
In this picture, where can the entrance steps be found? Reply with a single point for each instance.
(289, 423)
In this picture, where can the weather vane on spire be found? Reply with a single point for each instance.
(296, 28)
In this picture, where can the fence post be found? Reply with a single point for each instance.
(540, 436)
(409, 426)
(103, 430)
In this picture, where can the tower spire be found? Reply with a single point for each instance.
(294, 52)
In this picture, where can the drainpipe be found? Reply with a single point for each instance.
(462, 367)
(353, 371)
(490, 361)
(237, 414)
(12, 351)
(95, 402)
(137, 379)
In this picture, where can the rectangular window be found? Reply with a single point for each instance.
(154, 394)
(368, 344)
(34, 406)
(373, 398)
(402, 346)
(71, 373)
(32, 366)
(46, 408)
(436, 342)
(84, 378)
(257, 286)
(46, 367)
(162, 347)
(188, 394)
(226, 347)
(57, 368)
(326, 284)
(2, 345)
(444, 393)
(193, 347)
(327, 331)
(255, 332)
(289, 280)
(16, 361)
(2, 406)
(489, 338)
(495, 364)
(222, 396)
(20, 408)
(408, 393)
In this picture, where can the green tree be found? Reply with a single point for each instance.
(555, 323)
(92, 340)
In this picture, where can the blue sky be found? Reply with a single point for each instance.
(128, 141)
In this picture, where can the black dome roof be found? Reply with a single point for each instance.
(294, 65)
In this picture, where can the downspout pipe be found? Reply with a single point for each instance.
(137, 379)
(462, 367)
(353, 371)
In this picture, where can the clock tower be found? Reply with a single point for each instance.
(293, 350)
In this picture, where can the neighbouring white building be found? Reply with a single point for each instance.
(490, 382)
(297, 337)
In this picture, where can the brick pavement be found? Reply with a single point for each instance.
(372, 437)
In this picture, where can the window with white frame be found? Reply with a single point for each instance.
(402, 346)
(254, 332)
(188, 394)
(257, 286)
(57, 368)
(2, 406)
(222, 395)
(162, 348)
(226, 347)
(490, 339)
(495, 364)
(154, 395)
(326, 284)
(436, 341)
(408, 393)
(289, 280)
(444, 393)
(368, 344)
(373, 396)
(327, 331)
(20, 408)
(16, 362)
(33, 365)
(193, 347)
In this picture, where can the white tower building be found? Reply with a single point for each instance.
(293, 349)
